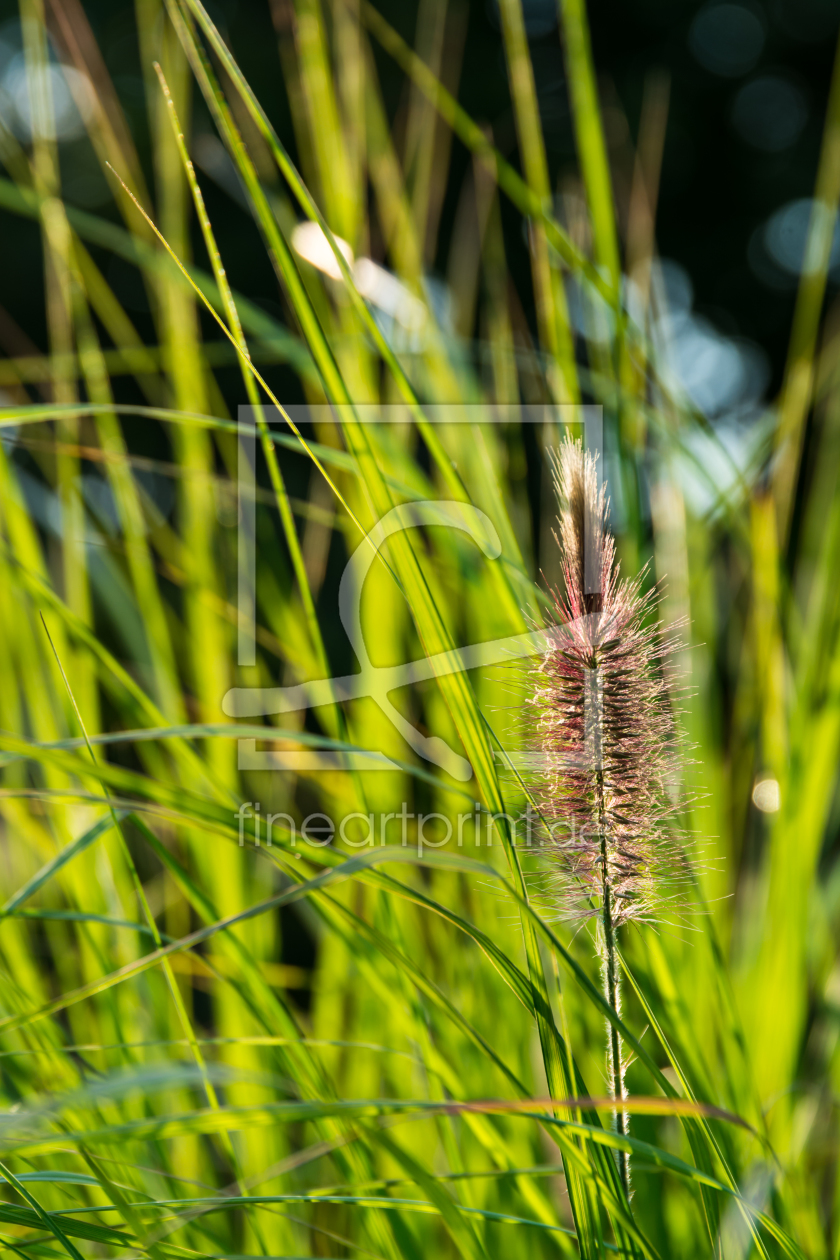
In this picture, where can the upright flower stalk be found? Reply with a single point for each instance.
(608, 741)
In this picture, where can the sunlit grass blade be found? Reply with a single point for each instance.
(799, 368)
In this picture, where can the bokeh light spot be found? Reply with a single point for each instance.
(726, 39)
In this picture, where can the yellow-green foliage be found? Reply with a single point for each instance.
(188, 1067)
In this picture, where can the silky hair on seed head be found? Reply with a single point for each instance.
(605, 724)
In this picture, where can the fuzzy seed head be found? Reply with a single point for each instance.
(605, 724)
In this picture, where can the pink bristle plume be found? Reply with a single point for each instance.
(606, 728)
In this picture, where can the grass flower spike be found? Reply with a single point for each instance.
(608, 739)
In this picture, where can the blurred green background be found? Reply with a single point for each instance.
(213, 1047)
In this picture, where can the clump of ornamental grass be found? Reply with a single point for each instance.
(608, 743)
